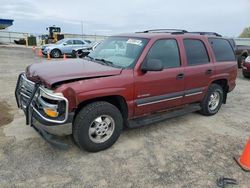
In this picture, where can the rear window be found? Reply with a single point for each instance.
(196, 52)
(222, 49)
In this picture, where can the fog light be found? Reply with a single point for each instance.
(50, 112)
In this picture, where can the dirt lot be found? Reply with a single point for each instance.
(189, 151)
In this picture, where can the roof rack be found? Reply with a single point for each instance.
(179, 31)
(164, 31)
(206, 33)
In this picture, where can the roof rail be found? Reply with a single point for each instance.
(206, 33)
(164, 31)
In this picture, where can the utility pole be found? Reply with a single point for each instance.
(82, 28)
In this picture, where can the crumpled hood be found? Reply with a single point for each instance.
(50, 73)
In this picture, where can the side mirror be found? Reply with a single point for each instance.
(152, 65)
(64, 44)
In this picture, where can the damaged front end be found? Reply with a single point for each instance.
(45, 110)
(34, 98)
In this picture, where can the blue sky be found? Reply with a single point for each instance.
(107, 17)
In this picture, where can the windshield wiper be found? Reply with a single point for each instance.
(104, 61)
(91, 58)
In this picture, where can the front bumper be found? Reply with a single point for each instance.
(54, 129)
(27, 94)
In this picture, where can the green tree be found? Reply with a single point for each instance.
(245, 33)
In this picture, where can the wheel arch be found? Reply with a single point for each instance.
(56, 49)
(223, 82)
(116, 100)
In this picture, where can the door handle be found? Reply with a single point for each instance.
(180, 76)
(209, 72)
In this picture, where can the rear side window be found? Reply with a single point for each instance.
(222, 49)
(196, 52)
(167, 51)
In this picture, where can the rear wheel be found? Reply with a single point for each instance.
(56, 53)
(212, 101)
(241, 60)
(97, 126)
(245, 74)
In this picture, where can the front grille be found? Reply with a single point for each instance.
(26, 88)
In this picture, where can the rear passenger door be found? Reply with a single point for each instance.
(225, 57)
(158, 90)
(198, 71)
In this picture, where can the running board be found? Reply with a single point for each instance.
(158, 117)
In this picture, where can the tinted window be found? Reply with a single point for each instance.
(78, 42)
(196, 52)
(166, 51)
(69, 42)
(222, 50)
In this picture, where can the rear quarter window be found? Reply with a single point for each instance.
(222, 49)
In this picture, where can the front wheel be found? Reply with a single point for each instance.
(56, 53)
(212, 101)
(97, 126)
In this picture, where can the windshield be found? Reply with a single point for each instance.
(119, 51)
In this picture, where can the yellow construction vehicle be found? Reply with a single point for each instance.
(53, 36)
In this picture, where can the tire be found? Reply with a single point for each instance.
(210, 106)
(56, 53)
(79, 53)
(245, 74)
(241, 60)
(97, 126)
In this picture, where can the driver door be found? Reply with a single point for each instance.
(160, 90)
(67, 47)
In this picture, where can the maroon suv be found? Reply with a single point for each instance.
(129, 80)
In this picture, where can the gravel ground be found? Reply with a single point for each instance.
(188, 151)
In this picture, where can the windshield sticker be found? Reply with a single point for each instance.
(134, 41)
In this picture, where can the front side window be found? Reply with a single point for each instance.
(119, 51)
(222, 49)
(69, 42)
(77, 42)
(166, 51)
(196, 52)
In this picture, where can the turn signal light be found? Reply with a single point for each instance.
(51, 112)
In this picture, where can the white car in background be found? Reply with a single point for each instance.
(64, 46)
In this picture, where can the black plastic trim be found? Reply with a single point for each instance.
(162, 98)
(162, 116)
(159, 98)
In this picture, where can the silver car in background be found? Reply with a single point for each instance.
(64, 46)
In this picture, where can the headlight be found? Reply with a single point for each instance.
(48, 49)
(51, 105)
